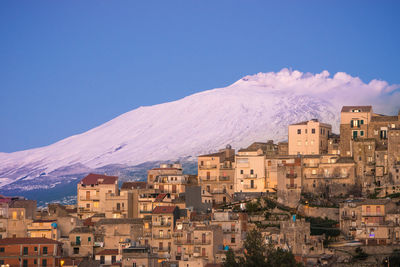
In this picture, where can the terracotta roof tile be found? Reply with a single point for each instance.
(96, 179)
(134, 185)
(108, 252)
(28, 240)
(164, 209)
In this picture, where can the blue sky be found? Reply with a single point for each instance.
(68, 66)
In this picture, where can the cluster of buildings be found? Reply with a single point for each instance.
(176, 219)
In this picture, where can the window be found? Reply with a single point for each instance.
(76, 250)
(25, 263)
(361, 133)
(102, 259)
(88, 206)
(44, 263)
(313, 131)
(89, 239)
(35, 261)
(113, 259)
(45, 250)
(1, 262)
(35, 249)
(25, 251)
(298, 131)
(233, 240)
(1, 249)
(252, 172)
(241, 171)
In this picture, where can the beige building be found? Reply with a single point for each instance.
(139, 256)
(328, 175)
(309, 137)
(81, 242)
(165, 168)
(250, 171)
(234, 228)
(216, 174)
(354, 121)
(289, 173)
(92, 191)
(44, 228)
(174, 184)
(163, 224)
(119, 205)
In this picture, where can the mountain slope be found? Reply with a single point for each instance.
(255, 108)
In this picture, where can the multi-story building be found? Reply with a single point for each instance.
(234, 228)
(139, 256)
(393, 155)
(250, 171)
(136, 190)
(114, 231)
(44, 228)
(173, 169)
(119, 205)
(328, 175)
(31, 251)
(289, 174)
(309, 137)
(92, 191)
(163, 224)
(81, 242)
(372, 221)
(216, 174)
(354, 121)
(174, 184)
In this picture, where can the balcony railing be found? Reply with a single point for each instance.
(291, 175)
(161, 224)
(202, 242)
(349, 217)
(224, 178)
(291, 186)
(373, 214)
(208, 178)
(164, 236)
(184, 242)
(230, 231)
(310, 165)
(145, 211)
(246, 186)
(249, 176)
(75, 244)
(207, 167)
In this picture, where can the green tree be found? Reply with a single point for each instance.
(230, 260)
(255, 250)
(281, 258)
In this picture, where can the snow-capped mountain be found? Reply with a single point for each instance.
(255, 108)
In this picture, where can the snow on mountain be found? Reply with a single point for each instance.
(256, 108)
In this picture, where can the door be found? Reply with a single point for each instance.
(87, 195)
(252, 183)
(174, 188)
(208, 175)
(355, 134)
(203, 238)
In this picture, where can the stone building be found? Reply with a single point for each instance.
(393, 155)
(354, 121)
(250, 171)
(163, 225)
(309, 137)
(289, 173)
(234, 228)
(114, 231)
(174, 184)
(216, 173)
(92, 191)
(139, 256)
(81, 242)
(44, 228)
(164, 169)
(328, 175)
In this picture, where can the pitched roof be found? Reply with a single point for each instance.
(361, 108)
(133, 185)
(93, 178)
(108, 252)
(164, 209)
(28, 240)
(384, 118)
(161, 196)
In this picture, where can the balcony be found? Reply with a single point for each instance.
(161, 224)
(207, 167)
(373, 214)
(115, 210)
(349, 217)
(291, 175)
(145, 211)
(184, 242)
(230, 231)
(291, 186)
(310, 165)
(247, 186)
(208, 178)
(202, 242)
(75, 244)
(164, 236)
(249, 176)
(224, 178)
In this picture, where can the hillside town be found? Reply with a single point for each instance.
(327, 199)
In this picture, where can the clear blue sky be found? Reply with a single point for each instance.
(68, 66)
